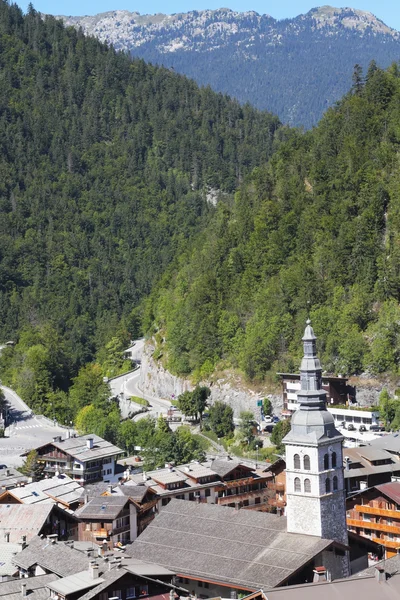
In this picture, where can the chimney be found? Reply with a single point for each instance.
(7, 537)
(380, 574)
(93, 570)
(89, 443)
(23, 590)
(7, 472)
(319, 574)
(85, 498)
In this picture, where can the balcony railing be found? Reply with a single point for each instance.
(381, 512)
(374, 526)
(277, 503)
(386, 543)
(239, 482)
(241, 497)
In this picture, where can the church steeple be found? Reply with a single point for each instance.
(314, 462)
(311, 420)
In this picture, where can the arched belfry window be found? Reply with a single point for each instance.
(327, 486)
(326, 461)
(333, 458)
(297, 484)
(307, 486)
(335, 483)
(296, 461)
(306, 462)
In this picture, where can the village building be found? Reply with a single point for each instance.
(337, 390)
(60, 489)
(85, 458)
(46, 555)
(221, 481)
(374, 513)
(11, 478)
(31, 589)
(120, 578)
(18, 521)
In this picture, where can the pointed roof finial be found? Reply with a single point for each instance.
(309, 332)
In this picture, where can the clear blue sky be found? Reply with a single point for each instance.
(387, 10)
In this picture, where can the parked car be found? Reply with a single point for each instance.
(377, 428)
(268, 419)
(350, 427)
(275, 419)
(363, 428)
(268, 428)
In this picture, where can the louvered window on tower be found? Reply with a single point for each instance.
(297, 484)
(296, 461)
(335, 483)
(307, 486)
(327, 486)
(326, 461)
(333, 460)
(306, 463)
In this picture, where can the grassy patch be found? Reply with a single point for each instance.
(140, 401)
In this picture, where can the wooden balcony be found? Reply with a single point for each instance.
(102, 533)
(276, 502)
(277, 486)
(239, 482)
(242, 496)
(380, 512)
(386, 543)
(374, 526)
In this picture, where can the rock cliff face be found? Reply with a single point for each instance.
(295, 68)
(157, 381)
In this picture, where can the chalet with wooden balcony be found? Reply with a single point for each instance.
(374, 513)
(144, 499)
(107, 519)
(368, 466)
(277, 485)
(85, 458)
(242, 486)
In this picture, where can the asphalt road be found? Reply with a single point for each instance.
(25, 430)
(128, 385)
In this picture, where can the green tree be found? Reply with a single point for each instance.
(267, 406)
(247, 426)
(33, 467)
(127, 436)
(89, 388)
(278, 433)
(220, 419)
(387, 408)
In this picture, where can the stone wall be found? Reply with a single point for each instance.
(157, 381)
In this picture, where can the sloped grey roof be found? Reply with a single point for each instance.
(75, 583)
(7, 553)
(367, 588)
(391, 566)
(57, 558)
(243, 548)
(12, 479)
(388, 442)
(103, 507)
(77, 447)
(23, 519)
(62, 488)
(35, 587)
(223, 467)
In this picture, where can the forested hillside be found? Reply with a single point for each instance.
(105, 166)
(315, 231)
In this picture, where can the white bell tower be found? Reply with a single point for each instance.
(315, 493)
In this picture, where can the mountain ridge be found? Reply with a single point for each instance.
(254, 57)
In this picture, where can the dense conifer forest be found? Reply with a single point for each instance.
(314, 231)
(105, 166)
(106, 232)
